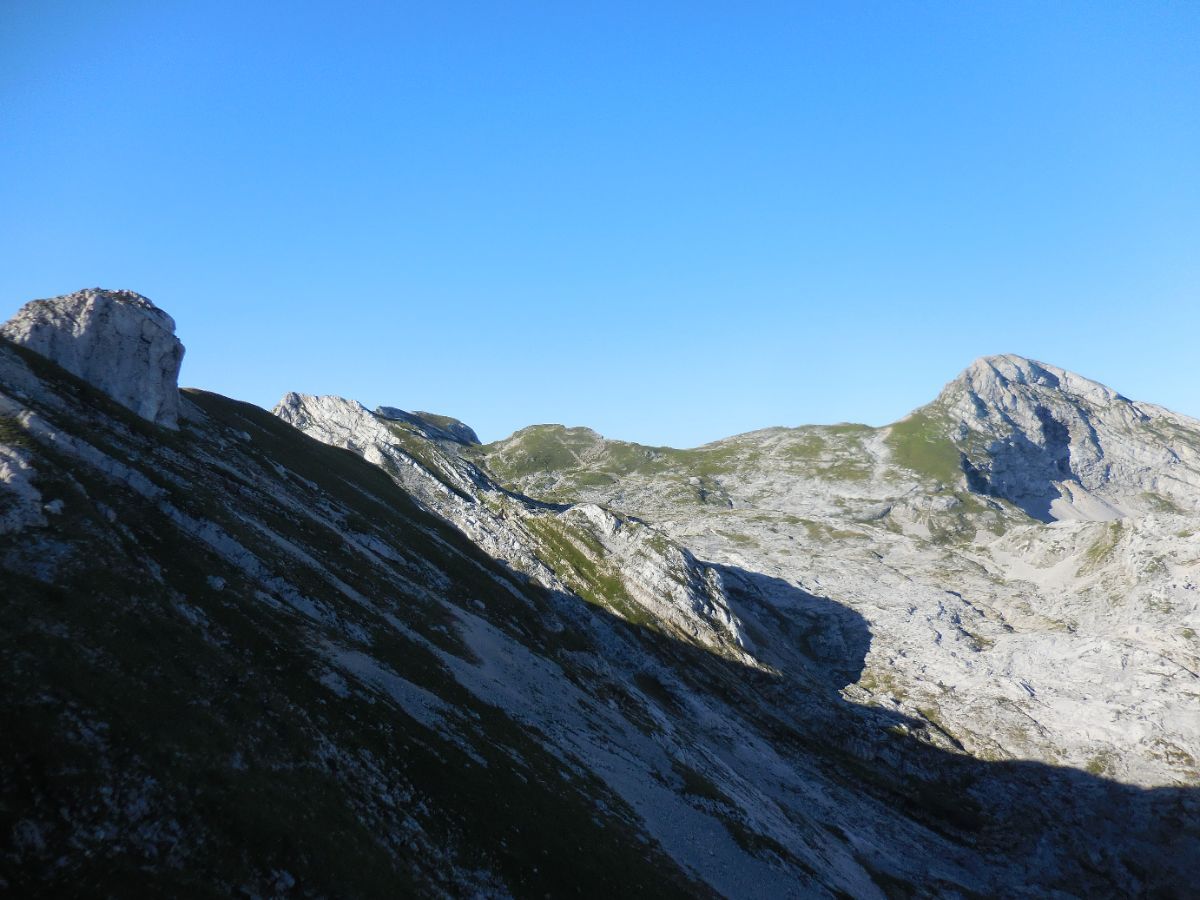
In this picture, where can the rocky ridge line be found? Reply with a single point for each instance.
(620, 563)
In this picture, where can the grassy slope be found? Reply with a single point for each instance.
(922, 444)
(576, 459)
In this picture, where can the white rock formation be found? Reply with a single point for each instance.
(118, 341)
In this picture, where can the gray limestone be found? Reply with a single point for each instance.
(118, 341)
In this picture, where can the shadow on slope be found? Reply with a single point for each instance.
(178, 718)
(1023, 471)
(827, 640)
(1033, 825)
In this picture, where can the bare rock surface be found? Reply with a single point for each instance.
(1061, 446)
(118, 341)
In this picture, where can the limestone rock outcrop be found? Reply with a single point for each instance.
(118, 341)
(1061, 446)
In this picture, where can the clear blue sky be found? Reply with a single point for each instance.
(670, 222)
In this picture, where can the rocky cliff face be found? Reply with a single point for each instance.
(337, 652)
(117, 341)
(1062, 447)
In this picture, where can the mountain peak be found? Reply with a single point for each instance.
(1004, 373)
(1061, 446)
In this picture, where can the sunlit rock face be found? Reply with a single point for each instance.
(1063, 447)
(118, 341)
(624, 564)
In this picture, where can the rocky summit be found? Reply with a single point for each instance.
(329, 651)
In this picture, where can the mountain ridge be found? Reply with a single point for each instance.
(987, 363)
(360, 656)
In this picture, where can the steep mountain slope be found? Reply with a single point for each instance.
(238, 659)
(617, 563)
(228, 664)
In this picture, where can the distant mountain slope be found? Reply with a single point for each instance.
(239, 660)
(1053, 444)
(1073, 642)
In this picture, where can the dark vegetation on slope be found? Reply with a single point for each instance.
(173, 731)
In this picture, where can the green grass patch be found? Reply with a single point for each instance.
(1104, 545)
(922, 444)
(1159, 503)
(537, 450)
(579, 559)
